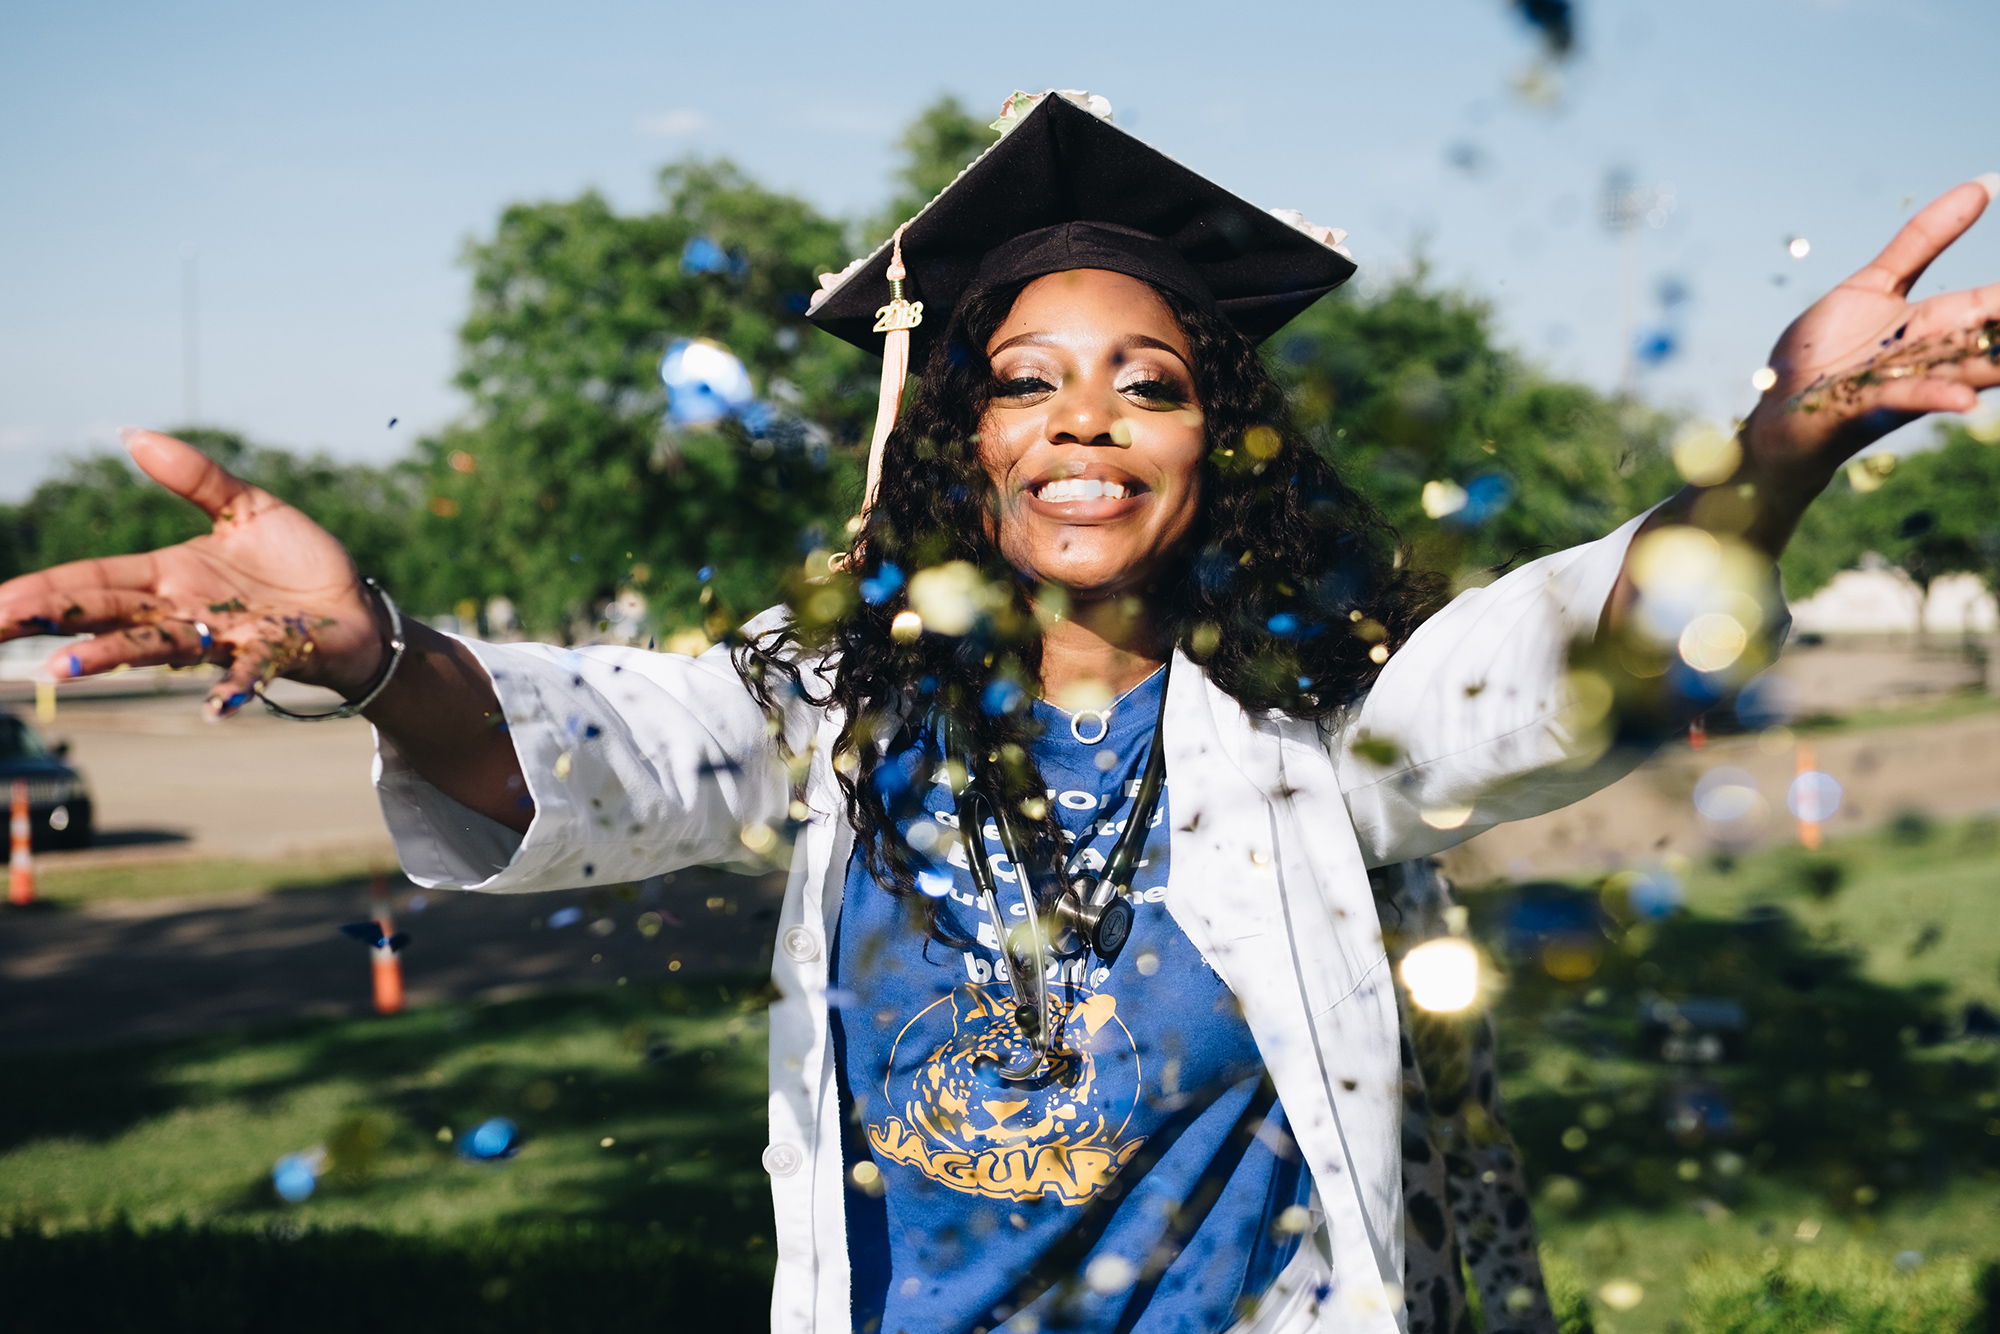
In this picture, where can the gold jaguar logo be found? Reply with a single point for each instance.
(1059, 1133)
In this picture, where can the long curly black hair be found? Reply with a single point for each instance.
(1290, 591)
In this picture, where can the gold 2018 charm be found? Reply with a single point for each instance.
(899, 314)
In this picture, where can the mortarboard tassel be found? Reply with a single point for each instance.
(896, 320)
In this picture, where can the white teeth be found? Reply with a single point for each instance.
(1066, 489)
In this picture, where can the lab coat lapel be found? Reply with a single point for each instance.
(1303, 963)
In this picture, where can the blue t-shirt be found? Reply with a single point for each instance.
(977, 1176)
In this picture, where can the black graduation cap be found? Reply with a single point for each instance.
(1064, 188)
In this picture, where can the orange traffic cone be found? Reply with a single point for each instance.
(21, 855)
(388, 966)
(1808, 829)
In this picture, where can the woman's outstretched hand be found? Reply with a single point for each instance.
(1865, 359)
(274, 593)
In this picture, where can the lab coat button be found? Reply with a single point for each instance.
(781, 1160)
(801, 944)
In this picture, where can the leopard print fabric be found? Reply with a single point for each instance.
(1465, 1203)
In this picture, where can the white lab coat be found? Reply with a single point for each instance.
(642, 762)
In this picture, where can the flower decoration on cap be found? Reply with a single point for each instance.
(1330, 237)
(1019, 104)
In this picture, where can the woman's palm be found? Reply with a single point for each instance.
(1864, 358)
(273, 590)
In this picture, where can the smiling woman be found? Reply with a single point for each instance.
(1090, 745)
(1228, 533)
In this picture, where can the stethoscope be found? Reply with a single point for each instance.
(1094, 912)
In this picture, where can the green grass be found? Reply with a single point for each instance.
(1851, 1289)
(1856, 1107)
(1664, 1252)
(1857, 1112)
(188, 1130)
(1968, 702)
(1919, 902)
(196, 877)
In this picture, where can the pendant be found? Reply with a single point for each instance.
(1102, 717)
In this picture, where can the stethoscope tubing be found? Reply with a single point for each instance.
(1032, 1011)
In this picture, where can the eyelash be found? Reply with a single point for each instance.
(1159, 391)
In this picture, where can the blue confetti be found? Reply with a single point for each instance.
(295, 1176)
(1656, 347)
(563, 917)
(370, 934)
(1656, 893)
(701, 255)
(879, 589)
(891, 781)
(705, 573)
(491, 1140)
(705, 382)
(1485, 496)
(1284, 623)
(1003, 696)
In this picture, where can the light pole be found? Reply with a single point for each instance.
(1623, 207)
(190, 335)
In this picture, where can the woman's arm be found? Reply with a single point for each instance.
(1477, 720)
(463, 749)
(1862, 361)
(268, 592)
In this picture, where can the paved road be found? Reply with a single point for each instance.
(119, 971)
(254, 786)
(1945, 771)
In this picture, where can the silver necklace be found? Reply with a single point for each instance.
(1102, 717)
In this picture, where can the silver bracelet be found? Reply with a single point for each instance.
(396, 647)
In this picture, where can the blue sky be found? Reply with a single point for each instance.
(328, 163)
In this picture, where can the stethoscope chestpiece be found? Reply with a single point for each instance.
(1099, 915)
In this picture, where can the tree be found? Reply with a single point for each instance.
(936, 147)
(1409, 388)
(1933, 514)
(563, 485)
(102, 506)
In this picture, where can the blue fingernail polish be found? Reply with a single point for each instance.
(75, 665)
(237, 701)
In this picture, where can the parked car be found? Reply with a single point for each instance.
(58, 799)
